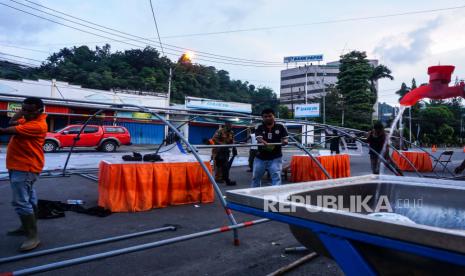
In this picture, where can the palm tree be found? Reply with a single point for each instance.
(379, 72)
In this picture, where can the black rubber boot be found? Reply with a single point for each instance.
(230, 183)
(30, 226)
(21, 231)
(17, 232)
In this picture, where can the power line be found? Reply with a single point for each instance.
(26, 64)
(172, 47)
(59, 92)
(12, 69)
(156, 27)
(22, 48)
(12, 66)
(315, 23)
(238, 63)
(1, 53)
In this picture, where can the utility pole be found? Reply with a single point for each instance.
(461, 126)
(342, 123)
(410, 124)
(306, 100)
(169, 86)
(168, 99)
(401, 131)
(53, 88)
(324, 109)
(292, 102)
(306, 83)
(324, 97)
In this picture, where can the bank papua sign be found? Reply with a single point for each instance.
(309, 58)
(209, 104)
(307, 110)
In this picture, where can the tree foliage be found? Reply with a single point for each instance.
(404, 89)
(146, 70)
(13, 71)
(284, 112)
(355, 87)
(379, 72)
(433, 121)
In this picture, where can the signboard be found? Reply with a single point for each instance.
(14, 107)
(307, 110)
(209, 104)
(134, 115)
(310, 58)
(141, 115)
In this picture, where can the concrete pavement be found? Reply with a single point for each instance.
(261, 250)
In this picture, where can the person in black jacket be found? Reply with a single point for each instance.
(334, 142)
(376, 139)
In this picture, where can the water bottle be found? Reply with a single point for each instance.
(75, 201)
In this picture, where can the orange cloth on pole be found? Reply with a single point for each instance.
(133, 187)
(421, 161)
(304, 169)
(24, 152)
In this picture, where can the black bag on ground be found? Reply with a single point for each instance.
(48, 209)
(134, 157)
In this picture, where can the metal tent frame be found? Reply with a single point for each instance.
(157, 112)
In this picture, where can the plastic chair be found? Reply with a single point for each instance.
(444, 159)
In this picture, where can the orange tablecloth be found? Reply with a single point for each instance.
(304, 169)
(421, 161)
(133, 187)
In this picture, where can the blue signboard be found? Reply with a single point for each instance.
(209, 104)
(307, 110)
(303, 58)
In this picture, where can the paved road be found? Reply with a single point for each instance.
(261, 250)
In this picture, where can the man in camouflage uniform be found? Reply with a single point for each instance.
(223, 136)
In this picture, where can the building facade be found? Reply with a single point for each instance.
(316, 79)
(144, 128)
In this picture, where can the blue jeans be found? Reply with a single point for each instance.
(24, 195)
(274, 167)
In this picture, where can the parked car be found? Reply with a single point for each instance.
(104, 138)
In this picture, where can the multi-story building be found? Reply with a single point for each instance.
(318, 77)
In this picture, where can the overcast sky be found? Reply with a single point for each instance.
(406, 44)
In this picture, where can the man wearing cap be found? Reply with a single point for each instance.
(25, 161)
(223, 136)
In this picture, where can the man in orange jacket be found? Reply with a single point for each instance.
(24, 161)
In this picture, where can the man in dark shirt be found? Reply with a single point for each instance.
(269, 157)
(335, 140)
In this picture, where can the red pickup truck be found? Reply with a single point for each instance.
(104, 138)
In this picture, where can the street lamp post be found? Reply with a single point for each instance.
(306, 83)
(187, 56)
(170, 76)
(292, 102)
(324, 97)
(410, 124)
(461, 127)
